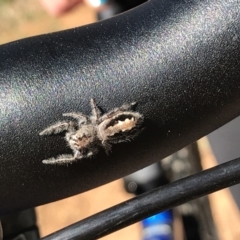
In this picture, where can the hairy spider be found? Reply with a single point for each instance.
(88, 134)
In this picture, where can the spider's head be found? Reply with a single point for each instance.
(86, 140)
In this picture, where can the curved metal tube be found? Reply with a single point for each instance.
(150, 203)
(179, 59)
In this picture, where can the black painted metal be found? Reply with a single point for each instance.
(20, 223)
(152, 202)
(179, 59)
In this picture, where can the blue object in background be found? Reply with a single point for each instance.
(159, 226)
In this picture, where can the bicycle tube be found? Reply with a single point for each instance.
(178, 59)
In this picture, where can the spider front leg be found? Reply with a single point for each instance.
(107, 147)
(61, 159)
(82, 119)
(127, 106)
(123, 108)
(64, 158)
(58, 128)
(96, 113)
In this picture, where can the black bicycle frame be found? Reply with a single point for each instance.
(179, 59)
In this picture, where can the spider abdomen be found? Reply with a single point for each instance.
(122, 127)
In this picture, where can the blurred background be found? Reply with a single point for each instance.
(25, 18)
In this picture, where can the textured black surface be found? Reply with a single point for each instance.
(23, 222)
(179, 59)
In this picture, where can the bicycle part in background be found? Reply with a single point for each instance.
(20, 226)
(152, 202)
(1, 233)
(196, 215)
(159, 226)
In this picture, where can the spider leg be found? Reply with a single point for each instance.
(107, 147)
(61, 159)
(96, 113)
(124, 107)
(58, 128)
(79, 155)
(127, 106)
(82, 119)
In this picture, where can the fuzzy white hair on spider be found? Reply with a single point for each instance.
(87, 134)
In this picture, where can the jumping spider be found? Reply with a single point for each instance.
(88, 134)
